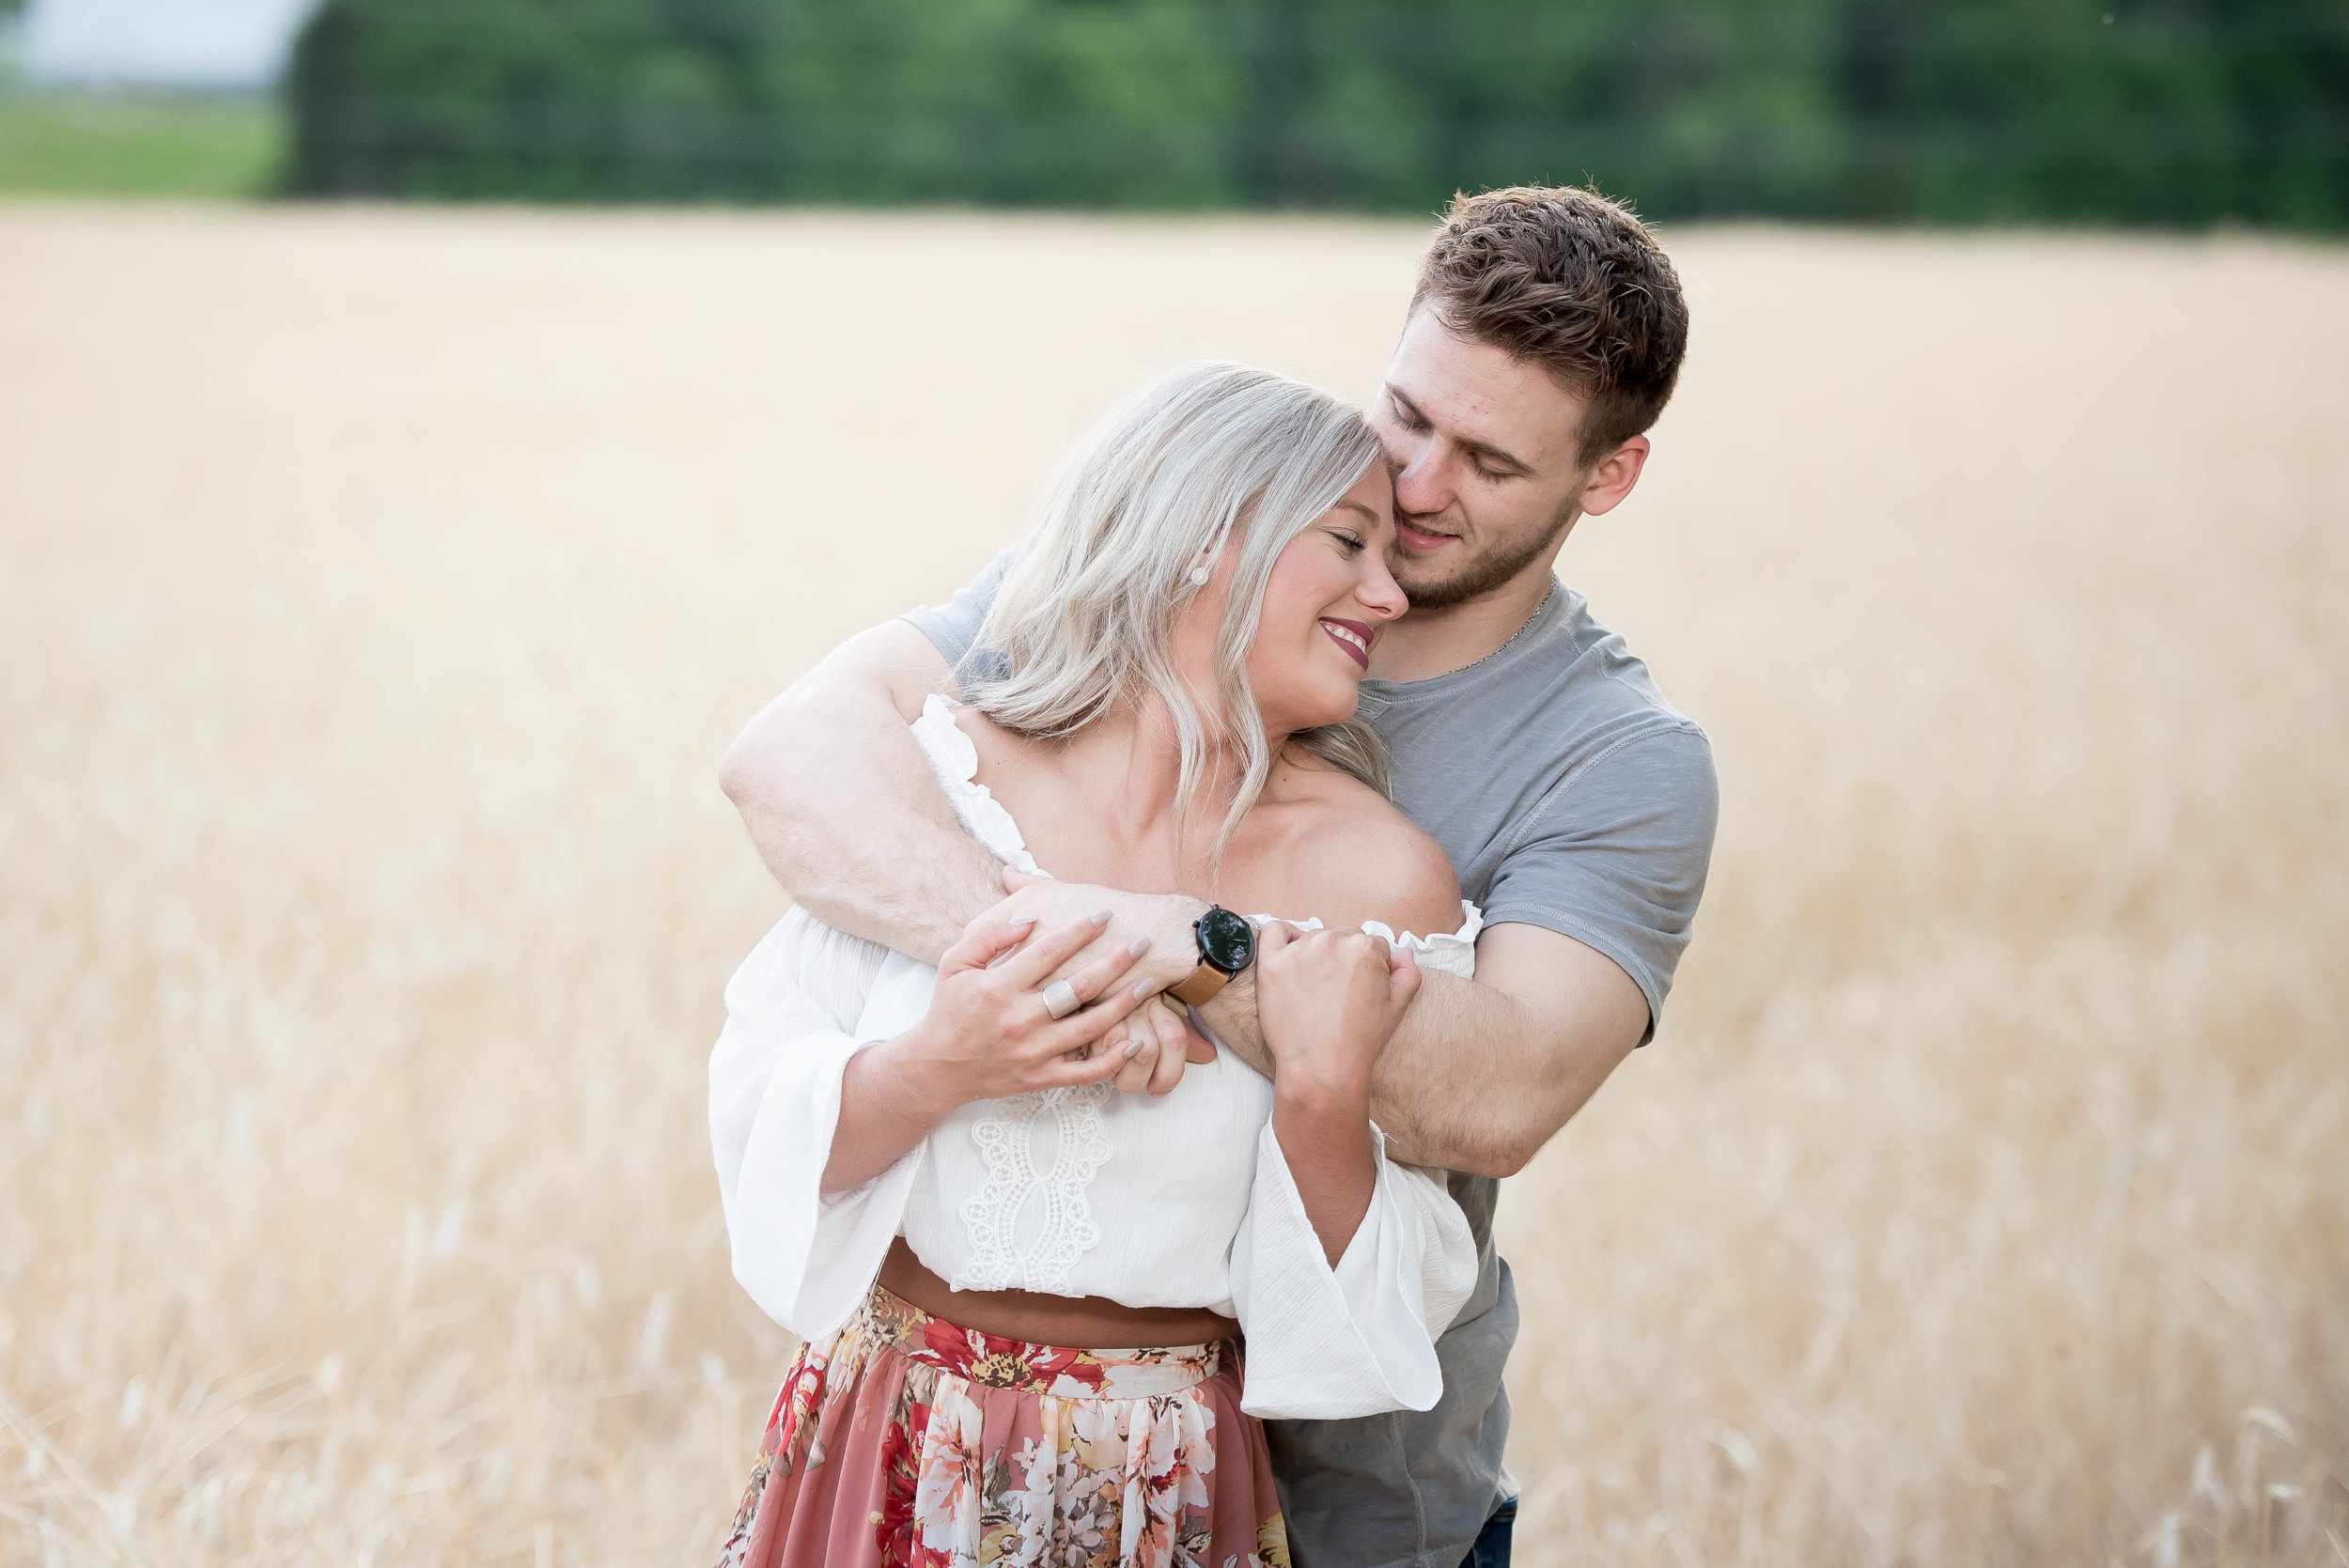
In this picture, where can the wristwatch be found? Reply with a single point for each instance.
(1227, 944)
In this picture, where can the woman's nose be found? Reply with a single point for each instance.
(1380, 594)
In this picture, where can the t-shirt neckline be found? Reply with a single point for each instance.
(1526, 638)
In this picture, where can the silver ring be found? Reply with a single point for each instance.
(1060, 999)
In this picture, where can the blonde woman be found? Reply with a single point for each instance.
(927, 1174)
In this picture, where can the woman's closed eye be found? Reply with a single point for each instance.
(1351, 542)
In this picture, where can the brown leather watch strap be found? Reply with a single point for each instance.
(1201, 988)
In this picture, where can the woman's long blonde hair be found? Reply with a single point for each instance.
(1085, 620)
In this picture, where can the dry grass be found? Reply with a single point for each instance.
(377, 590)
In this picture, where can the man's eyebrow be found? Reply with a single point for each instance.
(1483, 448)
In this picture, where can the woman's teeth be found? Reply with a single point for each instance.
(1350, 638)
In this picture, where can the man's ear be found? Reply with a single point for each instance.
(1612, 479)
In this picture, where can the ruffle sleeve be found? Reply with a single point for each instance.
(1449, 952)
(774, 1102)
(1328, 1343)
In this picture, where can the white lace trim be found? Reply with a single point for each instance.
(1007, 1134)
(1006, 1138)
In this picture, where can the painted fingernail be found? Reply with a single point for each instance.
(1131, 1047)
(1139, 946)
(1141, 992)
(1101, 919)
(1020, 923)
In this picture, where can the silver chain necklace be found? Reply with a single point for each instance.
(1518, 634)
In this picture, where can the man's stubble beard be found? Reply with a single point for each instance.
(1487, 572)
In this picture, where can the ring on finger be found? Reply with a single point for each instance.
(1060, 999)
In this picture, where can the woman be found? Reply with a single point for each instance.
(926, 1173)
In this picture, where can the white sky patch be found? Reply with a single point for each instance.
(182, 45)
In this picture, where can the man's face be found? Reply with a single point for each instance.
(1482, 451)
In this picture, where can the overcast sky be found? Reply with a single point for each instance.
(208, 45)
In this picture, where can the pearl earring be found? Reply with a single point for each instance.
(1198, 577)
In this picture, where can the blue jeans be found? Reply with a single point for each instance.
(1492, 1543)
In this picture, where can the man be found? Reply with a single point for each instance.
(1577, 805)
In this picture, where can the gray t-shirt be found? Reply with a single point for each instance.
(1571, 796)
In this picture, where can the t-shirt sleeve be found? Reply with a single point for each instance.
(953, 628)
(1615, 857)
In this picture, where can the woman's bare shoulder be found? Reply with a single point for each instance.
(1352, 856)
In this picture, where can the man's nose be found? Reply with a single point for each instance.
(1419, 486)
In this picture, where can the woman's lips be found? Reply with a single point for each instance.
(1353, 636)
(1419, 540)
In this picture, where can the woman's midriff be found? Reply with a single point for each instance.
(1082, 1322)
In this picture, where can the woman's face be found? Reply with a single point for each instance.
(1328, 599)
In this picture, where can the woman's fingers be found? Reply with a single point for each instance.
(1156, 1030)
(1402, 975)
(1168, 1070)
(1076, 1075)
(1133, 1072)
(1028, 968)
(1099, 975)
(1088, 1027)
(984, 942)
(1175, 1034)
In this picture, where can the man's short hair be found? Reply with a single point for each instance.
(1572, 282)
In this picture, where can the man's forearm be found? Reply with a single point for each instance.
(1478, 1077)
(843, 809)
(1465, 1084)
(1434, 1092)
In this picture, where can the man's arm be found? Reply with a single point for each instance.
(848, 815)
(845, 811)
(842, 804)
(1482, 1073)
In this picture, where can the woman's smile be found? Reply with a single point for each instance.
(1353, 636)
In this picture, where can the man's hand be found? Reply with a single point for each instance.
(1157, 1037)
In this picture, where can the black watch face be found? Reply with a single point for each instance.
(1226, 940)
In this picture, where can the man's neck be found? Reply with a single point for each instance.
(1430, 642)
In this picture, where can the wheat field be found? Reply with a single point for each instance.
(378, 590)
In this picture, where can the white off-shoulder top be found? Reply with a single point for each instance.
(1180, 1202)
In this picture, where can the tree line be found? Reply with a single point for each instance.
(2139, 112)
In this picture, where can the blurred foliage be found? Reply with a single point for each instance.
(129, 146)
(2162, 112)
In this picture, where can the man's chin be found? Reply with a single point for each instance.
(1432, 588)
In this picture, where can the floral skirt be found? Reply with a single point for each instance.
(906, 1440)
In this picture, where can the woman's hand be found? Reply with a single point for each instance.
(988, 1033)
(1329, 1000)
(1157, 1042)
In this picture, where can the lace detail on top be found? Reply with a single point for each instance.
(1007, 1134)
(1007, 1138)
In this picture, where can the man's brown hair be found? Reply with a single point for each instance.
(1574, 283)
